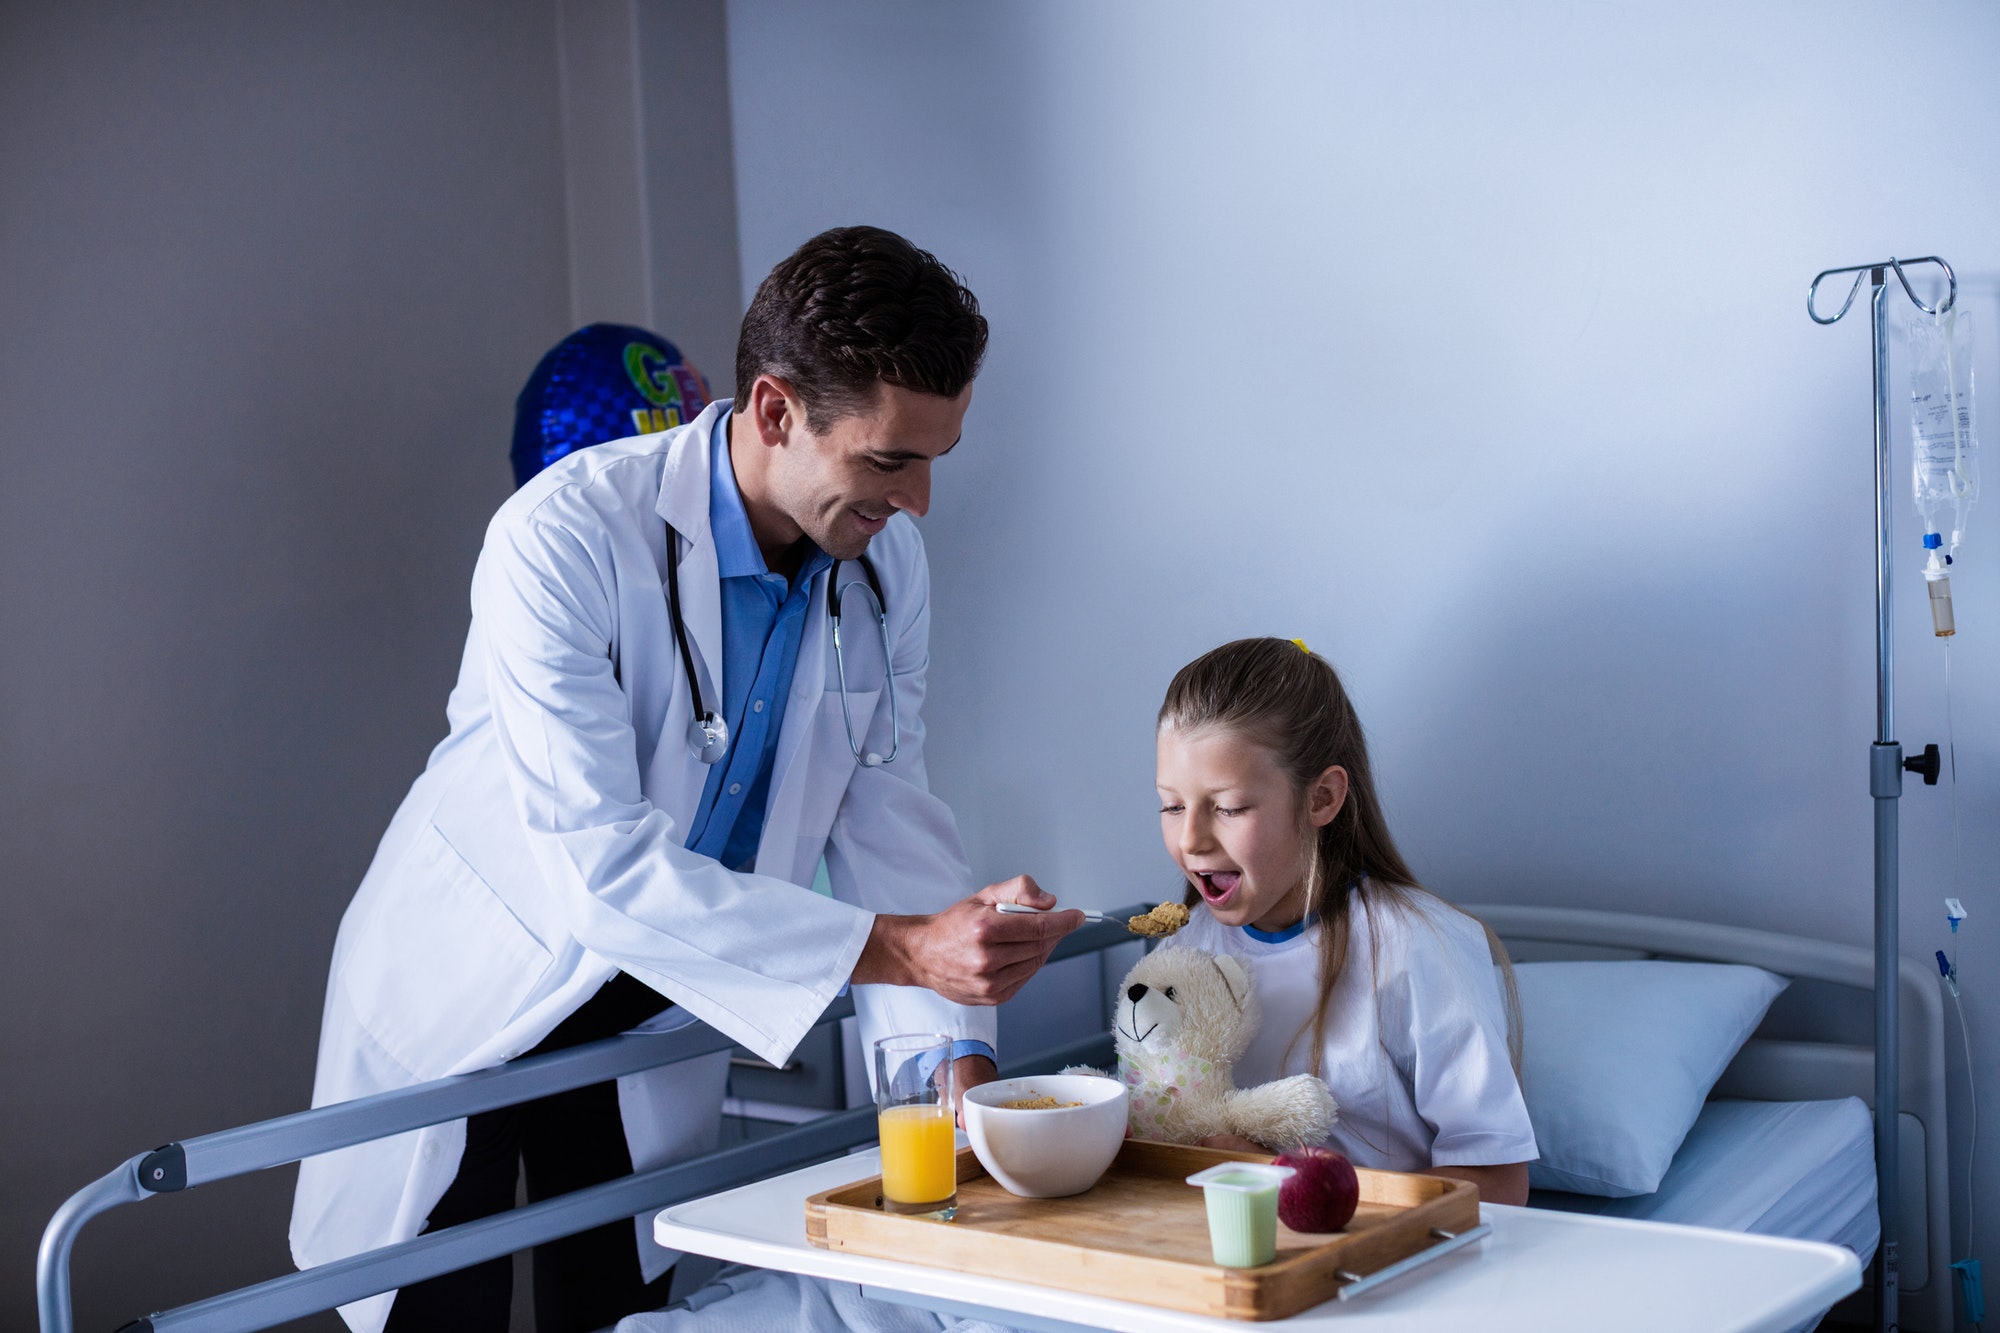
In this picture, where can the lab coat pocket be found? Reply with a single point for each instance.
(859, 721)
(439, 965)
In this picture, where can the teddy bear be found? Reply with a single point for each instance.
(1184, 1018)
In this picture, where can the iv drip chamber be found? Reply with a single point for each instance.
(1939, 585)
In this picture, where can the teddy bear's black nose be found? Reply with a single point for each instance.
(1135, 991)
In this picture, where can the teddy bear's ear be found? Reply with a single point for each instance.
(1237, 975)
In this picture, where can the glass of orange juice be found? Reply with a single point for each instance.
(913, 1111)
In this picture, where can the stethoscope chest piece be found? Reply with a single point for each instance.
(707, 733)
(708, 737)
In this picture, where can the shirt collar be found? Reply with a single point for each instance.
(737, 554)
(1291, 932)
(736, 551)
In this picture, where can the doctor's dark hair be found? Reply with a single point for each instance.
(1279, 695)
(853, 308)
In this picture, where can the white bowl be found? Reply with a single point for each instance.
(1047, 1154)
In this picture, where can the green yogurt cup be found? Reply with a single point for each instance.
(1242, 1211)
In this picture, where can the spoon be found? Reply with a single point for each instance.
(1022, 909)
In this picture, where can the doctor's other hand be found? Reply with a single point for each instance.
(968, 953)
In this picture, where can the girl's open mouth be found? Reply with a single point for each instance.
(1217, 886)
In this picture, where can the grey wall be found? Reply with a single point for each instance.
(604, 162)
(273, 275)
(1467, 343)
(270, 278)
(690, 181)
(651, 172)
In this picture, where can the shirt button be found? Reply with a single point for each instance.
(735, 787)
(757, 707)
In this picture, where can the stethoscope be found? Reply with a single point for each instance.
(708, 734)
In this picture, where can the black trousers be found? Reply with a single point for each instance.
(563, 1143)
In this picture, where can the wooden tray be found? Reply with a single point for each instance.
(1141, 1234)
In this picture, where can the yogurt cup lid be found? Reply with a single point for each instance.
(1242, 1177)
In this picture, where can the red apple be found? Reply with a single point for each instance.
(1322, 1195)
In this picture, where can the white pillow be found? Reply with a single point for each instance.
(1618, 1058)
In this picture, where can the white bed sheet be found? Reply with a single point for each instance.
(1799, 1169)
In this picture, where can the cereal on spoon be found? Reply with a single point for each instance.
(1162, 921)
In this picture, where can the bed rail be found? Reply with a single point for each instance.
(287, 1139)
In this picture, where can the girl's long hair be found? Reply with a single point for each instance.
(1288, 699)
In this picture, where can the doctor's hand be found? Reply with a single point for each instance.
(968, 953)
(967, 1072)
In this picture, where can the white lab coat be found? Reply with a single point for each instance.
(542, 850)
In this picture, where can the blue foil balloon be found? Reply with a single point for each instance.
(603, 382)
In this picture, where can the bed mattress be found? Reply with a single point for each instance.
(1800, 1169)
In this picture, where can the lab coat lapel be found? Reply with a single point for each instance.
(684, 506)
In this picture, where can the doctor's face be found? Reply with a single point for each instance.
(841, 485)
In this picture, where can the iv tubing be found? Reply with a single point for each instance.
(1972, 1092)
(1971, 1088)
(1964, 1036)
(1951, 755)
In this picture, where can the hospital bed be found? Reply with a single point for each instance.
(1770, 1111)
(1780, 1149)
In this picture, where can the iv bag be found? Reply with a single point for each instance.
(1942, 425)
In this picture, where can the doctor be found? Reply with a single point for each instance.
(620, 828)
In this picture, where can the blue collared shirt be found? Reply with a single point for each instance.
(763, 620)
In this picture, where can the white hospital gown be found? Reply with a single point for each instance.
(1416, 1035)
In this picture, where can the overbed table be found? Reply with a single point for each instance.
(1538, 1272)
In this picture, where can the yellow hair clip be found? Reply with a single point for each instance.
(1302, 645)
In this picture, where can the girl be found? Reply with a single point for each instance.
(1403, 1004)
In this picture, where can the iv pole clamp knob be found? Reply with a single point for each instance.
(1930, 763)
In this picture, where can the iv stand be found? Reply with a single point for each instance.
(1885, 770)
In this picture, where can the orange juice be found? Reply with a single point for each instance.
(919, 1154)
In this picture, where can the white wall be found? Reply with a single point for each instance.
(1468, 343)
